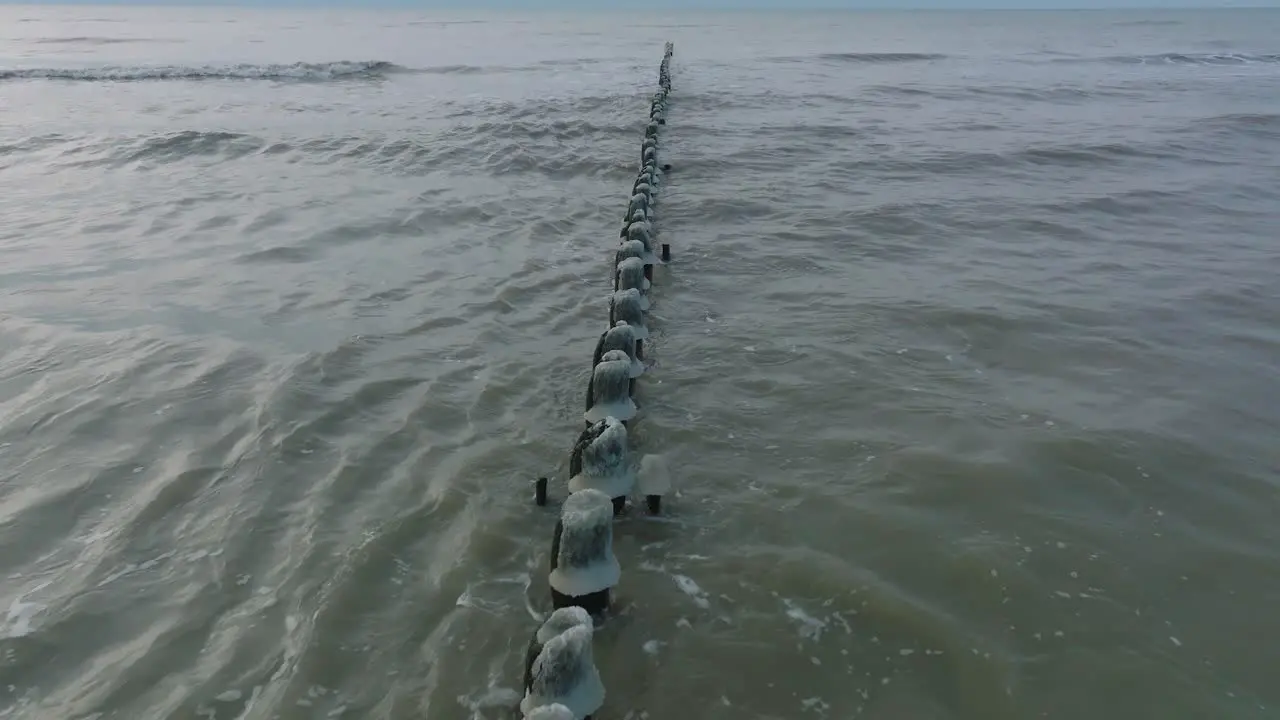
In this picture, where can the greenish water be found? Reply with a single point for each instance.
(965, 366)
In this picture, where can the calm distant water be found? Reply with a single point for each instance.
(967, 364)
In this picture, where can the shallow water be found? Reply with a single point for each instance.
(965, 367)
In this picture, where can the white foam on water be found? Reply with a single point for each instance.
(690, 588)
(254, 696)
(18, 620)
(469, 600)
(837, 617)
(816, 704)
(810, 627)
(493, 697)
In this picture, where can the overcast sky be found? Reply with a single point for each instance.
(685, 4)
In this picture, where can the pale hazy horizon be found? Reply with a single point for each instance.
(681, 5)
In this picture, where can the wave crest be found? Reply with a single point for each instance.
(92, 40)
(1184, 59)
(880, 57)
(864, 58)
(296, 72)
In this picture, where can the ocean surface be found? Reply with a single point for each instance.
(966, 364)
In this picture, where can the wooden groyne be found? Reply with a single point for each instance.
(560, 678)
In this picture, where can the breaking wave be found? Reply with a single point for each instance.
(1188, 59)
(94, 40)
(298, 72)
(281, 72)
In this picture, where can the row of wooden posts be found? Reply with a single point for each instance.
(560, 679)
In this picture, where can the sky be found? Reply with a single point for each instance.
(685, 4)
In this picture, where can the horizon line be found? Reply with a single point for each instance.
(677, 7)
